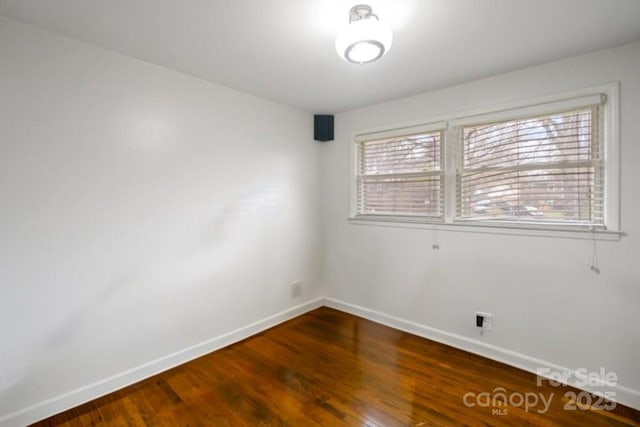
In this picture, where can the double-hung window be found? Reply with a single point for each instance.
(547, 164)
(401, 174)
(545, 168)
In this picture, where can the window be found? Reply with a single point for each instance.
(548, 164)
(545, 168)
(401, 175)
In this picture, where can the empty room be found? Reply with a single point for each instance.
(319, 213)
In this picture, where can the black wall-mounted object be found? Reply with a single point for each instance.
(323, 127)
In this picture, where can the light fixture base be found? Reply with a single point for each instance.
(361, 11)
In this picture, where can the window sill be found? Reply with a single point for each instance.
(538, 230)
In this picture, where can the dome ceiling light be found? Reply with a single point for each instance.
(365, 39)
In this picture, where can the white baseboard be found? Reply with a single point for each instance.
(89, 392)
(623, 395)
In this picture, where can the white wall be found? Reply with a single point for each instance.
(141, 212)
(547, 304)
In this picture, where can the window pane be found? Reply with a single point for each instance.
(555, 195)
(546, 139)
(401, 196)
(413, 154)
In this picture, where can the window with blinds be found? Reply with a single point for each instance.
(550, 164)
(401, 175)
(546, 168)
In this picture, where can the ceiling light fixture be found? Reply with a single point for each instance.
(365, 39)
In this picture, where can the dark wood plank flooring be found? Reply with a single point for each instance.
(328, 368)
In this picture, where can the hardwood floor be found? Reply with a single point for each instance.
(329, 368)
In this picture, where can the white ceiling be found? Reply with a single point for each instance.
(284, 49)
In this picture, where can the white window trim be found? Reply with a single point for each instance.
(400, 131)
(506, 111)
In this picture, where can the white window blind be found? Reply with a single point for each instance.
(547, 168)
(401, 175)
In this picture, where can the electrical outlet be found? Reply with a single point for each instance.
(296, 289)
(484, 320)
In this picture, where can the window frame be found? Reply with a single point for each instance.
(610, 143)
(407, 131)
(553, 109)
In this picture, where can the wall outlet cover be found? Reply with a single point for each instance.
(296, 289)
